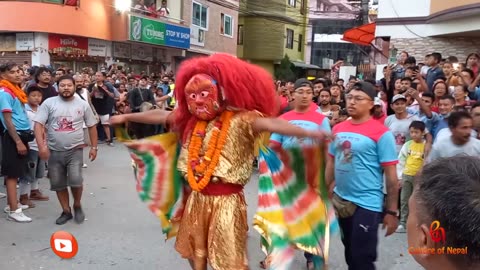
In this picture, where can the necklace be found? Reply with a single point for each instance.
(200, 170)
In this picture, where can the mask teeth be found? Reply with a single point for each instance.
(223, 93)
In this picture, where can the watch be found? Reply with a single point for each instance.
(393, 213)
(94, 148)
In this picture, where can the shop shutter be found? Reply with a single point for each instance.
(17, 57)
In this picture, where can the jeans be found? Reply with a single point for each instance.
(360, 238)
(407, 190)
(35, 168)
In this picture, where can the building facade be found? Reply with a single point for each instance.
(213, 25)
(449, 27)
(90, 33)
(270, 29)
(328, 20)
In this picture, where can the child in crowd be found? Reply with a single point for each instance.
(410, 159)
(28, 185)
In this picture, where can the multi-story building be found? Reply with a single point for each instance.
(421, 27)
(270, 29)
(213, 25)
(328, 20)
(89, 33)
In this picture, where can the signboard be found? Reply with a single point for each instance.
(97, 47)
(142, 52)
(7, 43)
(121, 50)
(158, 33)
(197, 36)
(25, 42)
(67, 44)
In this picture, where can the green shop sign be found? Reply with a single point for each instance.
(159, 33)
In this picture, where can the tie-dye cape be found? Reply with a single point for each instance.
(293, 207)
(158, 182)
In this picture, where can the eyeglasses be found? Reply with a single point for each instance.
(356, 98)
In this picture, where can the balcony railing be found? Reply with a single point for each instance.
(158, 14)
(73, 3)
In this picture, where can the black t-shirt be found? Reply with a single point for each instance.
(48, 92)
(101, 101)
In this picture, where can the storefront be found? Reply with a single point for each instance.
(167, 41)
(16, 47)
(77, 53)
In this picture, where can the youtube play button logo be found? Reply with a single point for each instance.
(64, 244)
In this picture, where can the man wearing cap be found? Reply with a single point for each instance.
(399, 122)
(378, 113)
(362, 150)
(305, 114)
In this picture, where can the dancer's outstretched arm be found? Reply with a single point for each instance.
(280, 126)
(153, 117)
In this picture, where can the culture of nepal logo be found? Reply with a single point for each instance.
(437, 234)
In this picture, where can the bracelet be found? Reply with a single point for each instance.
(392, 213)
(94, 148)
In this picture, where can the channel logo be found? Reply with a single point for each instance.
(64, 244)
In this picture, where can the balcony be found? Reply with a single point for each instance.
(73, 3)
(168, 11)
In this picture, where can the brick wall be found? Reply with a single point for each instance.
(447, 46)
(214, 41)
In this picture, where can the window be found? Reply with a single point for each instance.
(289, 39)
(300, 42)
(226, 26)
(240, 35)
(292, 3)
(200, 15)
(303, 7)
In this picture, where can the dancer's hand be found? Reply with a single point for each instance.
(318, 135)
(118, 119)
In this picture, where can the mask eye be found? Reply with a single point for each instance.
(193, 96)
(204, 94)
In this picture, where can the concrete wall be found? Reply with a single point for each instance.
(404, 8)
(91, 19)
(453, 46)
(465, 24)
(214, 40)
(441, 5)
(263, 39)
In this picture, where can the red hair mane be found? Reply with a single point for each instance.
(242, 85)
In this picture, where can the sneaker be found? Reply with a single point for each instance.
(79, 215)
(64, 217)
(2, 195)
(401, 229)
(84, 166)
(110, 143)
(18, 216)
(20, 206)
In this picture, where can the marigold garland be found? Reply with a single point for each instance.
(206, 167)
(19, 93)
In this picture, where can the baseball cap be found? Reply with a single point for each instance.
(377, 102)
(367, 88)
(398, 97)
(303, 82)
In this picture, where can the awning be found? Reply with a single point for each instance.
(362, 35)
(304, 65)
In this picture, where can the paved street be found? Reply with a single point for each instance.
(120, 232)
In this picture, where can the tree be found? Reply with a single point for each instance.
(285, 72)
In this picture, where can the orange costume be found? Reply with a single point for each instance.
(218, 100)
